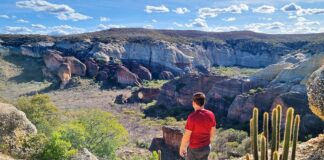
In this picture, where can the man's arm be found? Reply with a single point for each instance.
(185, 142)
(212, 134)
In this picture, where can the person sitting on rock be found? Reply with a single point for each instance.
(200, 131)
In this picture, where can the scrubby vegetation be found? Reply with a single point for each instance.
(154, 83)
(234, 71)
(62, 133)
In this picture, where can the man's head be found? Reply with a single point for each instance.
(198, 100)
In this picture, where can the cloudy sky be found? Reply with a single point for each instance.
(60, 17)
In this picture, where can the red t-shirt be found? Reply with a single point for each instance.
(200, 123)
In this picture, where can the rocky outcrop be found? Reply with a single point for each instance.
(172, 137)
(310, 124)
(77, 67)
(14, 127)
(102, 76)
(145, 95)
(313, 149)
(63, 67)
(166, 75)
(270, 72)
(179, 92)
(169, 144)
(92, 68)
(84, 154)
(64, 73)
(142, 72)
(315, 91)
(241, 108)
(126, 77)
(300, 73)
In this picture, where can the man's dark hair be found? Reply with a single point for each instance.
(199, 98)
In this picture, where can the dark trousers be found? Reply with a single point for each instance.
(198, 153)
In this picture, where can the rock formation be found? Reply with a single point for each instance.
(63, 67)
(126, 77)
(313, 149)
(142, 72)
(169, 144)
(145, 95)
(14, 127)
(315, 91)
(92, 68)
(166, 75)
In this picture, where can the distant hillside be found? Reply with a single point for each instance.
(116, 34)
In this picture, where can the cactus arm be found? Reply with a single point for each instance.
(274, 131)
(255, 134)
(263, 148)
(287, 134)
(266, 132)
(279, 110)
(295, 137)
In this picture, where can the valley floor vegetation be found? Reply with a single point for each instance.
(61, 133)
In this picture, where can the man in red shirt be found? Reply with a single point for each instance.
(200, 131)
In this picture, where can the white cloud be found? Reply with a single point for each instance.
(222, 29)
(149, 26)
(62, 11)
(154, 20)
(4, 16)
(290, 7)
(108, 26)
(38, 26)
(104, 19)
(213, 12)
(230, 19)
(265, 19)
(310, 11)
(259, 27)
(17, 30)
(181, 10)
(22, 21)
(158, 9)
(293, 8)
(177, 24)
(265, 9)
(198, 22)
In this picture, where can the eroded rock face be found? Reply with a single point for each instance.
(315, 91)
(172, 137)
(63, 67)
(241, 108)
(144, 95)
(126, 77)
(166, 75)
(300, 73)
(310, 124)
(64, 73)
(313, 149)
(77, 67)
(270, 72)
(14, 127)
(84, 154)
(142, 72)
(92, 68)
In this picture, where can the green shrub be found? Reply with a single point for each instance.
(57, 148)
(40, 111)
(102, 132)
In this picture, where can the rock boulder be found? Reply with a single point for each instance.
(315, 91)
(166, 75)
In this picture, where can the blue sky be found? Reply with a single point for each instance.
(60, 17)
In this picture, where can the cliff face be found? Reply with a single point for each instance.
(172, 50)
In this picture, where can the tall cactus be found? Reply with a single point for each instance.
(274, 131)
(287, 134)
(160, 154)
(251, 133)
(266, 132)
(263, 148)
(276, 155)
(295, 136)
(247, 157)
(279, 110)
(255, 133)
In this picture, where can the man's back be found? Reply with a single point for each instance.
(200, 123)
